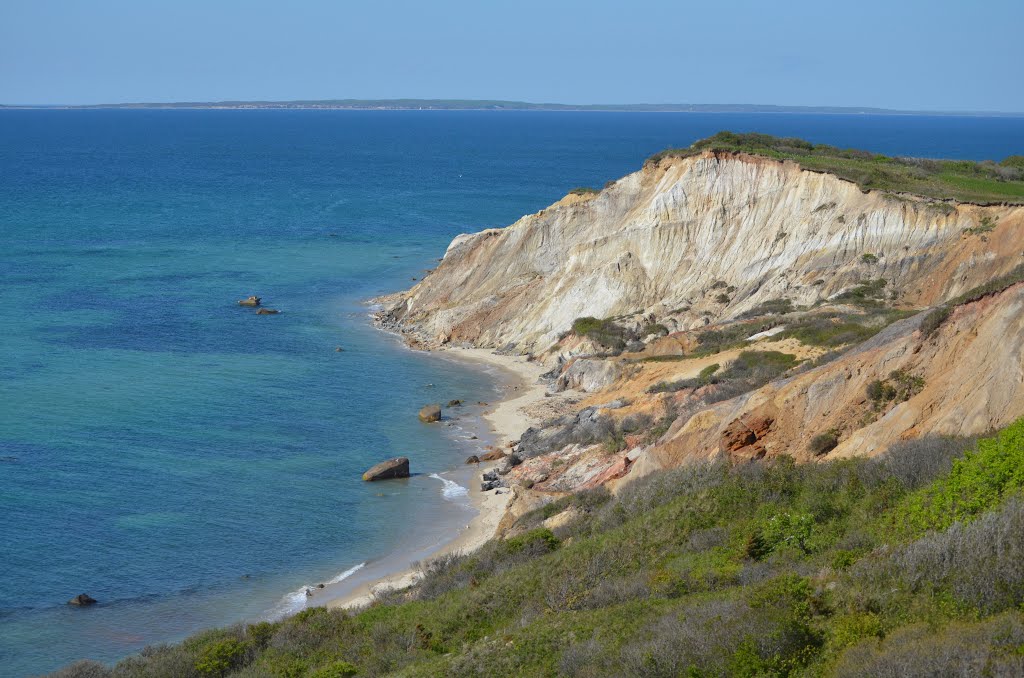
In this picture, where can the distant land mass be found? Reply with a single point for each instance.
(496, 105)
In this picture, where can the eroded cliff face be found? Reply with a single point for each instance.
(971, 380)
(669, 240)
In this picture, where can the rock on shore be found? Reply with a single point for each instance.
(430, 413)
(392, 468)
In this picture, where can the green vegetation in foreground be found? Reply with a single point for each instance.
(963, 180)
(908, 564)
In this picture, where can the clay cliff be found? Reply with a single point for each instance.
(708, 237)
(736, 306)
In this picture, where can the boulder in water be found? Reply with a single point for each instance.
(251, 301)
(267, 311)
(430, 413)
(392, 468)
(82, 600)
(472, 459)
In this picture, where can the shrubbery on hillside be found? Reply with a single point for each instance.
(907, 564)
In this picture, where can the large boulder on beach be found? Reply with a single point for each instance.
(493, 454)
(82, 600)
(430, 413)
(392, 468)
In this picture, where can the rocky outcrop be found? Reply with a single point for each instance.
(386, 470)
(82, 600)
(430, 413)
(702, 238)
(588, 375)
(250, 301)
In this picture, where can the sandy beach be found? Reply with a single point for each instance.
(508, 418)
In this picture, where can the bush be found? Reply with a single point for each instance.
(654, 328)
(869, 258)
(605, 332)
(900, 386)
(981, 563)
(770, 307)
(218, 658)
(84, 668)
(723, 298)
(979, 481)
(915, 463)
(987, 648)
(823, 443)
(933, 321)
(338, 669)
(584, 190)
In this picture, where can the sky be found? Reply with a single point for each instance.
(904, 54)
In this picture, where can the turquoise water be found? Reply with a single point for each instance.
(189, 463)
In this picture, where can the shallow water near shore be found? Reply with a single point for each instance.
(189, 463)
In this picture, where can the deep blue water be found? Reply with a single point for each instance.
(189, 463)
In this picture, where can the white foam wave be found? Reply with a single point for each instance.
(347, 573)
(451, 489)
(295, 601)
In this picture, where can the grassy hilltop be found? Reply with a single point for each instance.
(963, 180)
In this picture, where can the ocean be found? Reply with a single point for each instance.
(191, 464)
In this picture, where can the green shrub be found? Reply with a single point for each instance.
(978, 482)
(933, 321)
(338, 669)
(985, 225)
(654, 328)
(770, 307)
(605, 332)
(705, 375)
(533, 543)
(218, 658)
(869, 258)
(722, 299)
(823, 443)
(584, 190)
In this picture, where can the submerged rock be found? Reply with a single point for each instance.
(454, 403)
(472, 459)
(392, 468)
(82, 600)
(430, 413)
(251, 301)
(267, 311)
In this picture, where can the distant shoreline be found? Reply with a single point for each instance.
(489, 105)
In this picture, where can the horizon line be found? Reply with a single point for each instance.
(498, 105)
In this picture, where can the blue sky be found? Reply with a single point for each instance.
(894, 54)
